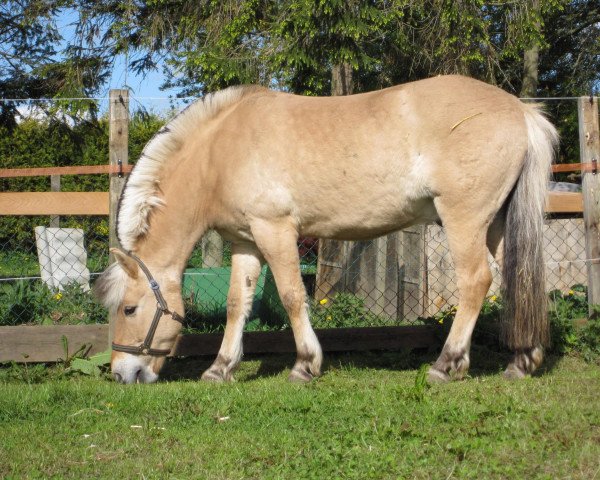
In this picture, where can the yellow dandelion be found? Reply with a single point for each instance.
(328, 318)
(441, 321)
(493, 298)
(324, 301)
(58, 296)
(571, 292)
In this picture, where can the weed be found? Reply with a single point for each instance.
(565, 312)
(417, 393)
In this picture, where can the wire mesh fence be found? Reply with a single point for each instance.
(48, 264)
(401, 278)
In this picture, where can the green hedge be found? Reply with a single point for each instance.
(51, 143)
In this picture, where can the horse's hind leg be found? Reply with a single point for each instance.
(277, 241)
(246, 263)
(469, 251)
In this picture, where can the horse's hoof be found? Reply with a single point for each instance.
(299, 375)
(437, 376)
(212, 376)
(513, 372)
(525, 362)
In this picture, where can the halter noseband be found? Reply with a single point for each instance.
(161, 309)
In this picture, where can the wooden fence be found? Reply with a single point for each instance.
(43, 343)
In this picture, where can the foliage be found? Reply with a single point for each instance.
(571, 60)
(94, 365)
(24, 302)
(32, 64)
(294, 44)
(581, 337)
(345, 310)
(572, 332)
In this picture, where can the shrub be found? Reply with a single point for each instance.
(345, 310)
(25, 302)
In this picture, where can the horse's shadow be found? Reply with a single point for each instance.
(485, 362)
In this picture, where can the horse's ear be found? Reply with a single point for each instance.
(127, 263)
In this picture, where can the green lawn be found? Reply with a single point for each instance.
(369, 416)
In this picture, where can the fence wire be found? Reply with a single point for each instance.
(48, 264)
(46, 274)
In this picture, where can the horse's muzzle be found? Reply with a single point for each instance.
(131, 369)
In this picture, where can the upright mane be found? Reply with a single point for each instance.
(141, 194)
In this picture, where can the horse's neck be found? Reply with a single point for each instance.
(168, 249)
(176, 226)
(174, 231)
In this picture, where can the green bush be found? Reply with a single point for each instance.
(25, 302)
(345, 310)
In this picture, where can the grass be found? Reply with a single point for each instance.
(369, 416)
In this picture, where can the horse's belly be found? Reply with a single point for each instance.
(370, 220)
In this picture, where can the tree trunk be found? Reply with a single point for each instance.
(530, 62)
(530, 71)
(341, 79)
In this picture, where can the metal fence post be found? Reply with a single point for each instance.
(589, 146)
(118, 138)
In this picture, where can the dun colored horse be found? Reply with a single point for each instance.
(263, 168)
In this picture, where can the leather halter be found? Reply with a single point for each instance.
(161, 309)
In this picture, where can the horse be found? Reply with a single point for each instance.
(264, 168)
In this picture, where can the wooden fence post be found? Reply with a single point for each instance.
(55, 187)
(118, 138)
(589, 146)
(212, 250)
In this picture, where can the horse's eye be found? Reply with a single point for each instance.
(129, 311)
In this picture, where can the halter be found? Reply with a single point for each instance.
(161, 309)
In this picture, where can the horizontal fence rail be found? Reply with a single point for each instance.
(75, 170)
(98, 203)
(54, 203)
(46, 344)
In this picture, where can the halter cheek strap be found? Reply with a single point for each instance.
(161, 309)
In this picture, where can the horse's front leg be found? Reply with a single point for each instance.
(277, 241)
(246, 263)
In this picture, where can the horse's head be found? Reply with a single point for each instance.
(145, 310)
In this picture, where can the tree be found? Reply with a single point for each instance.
(302, 45)
(31, 64)
(297, 44)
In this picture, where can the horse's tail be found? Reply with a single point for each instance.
(525, 323)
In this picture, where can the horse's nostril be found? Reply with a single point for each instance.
(138, 376)
(118, 377)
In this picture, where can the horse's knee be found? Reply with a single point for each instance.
(293, 300)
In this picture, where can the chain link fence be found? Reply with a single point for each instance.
(48, 264)
(45, 278)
